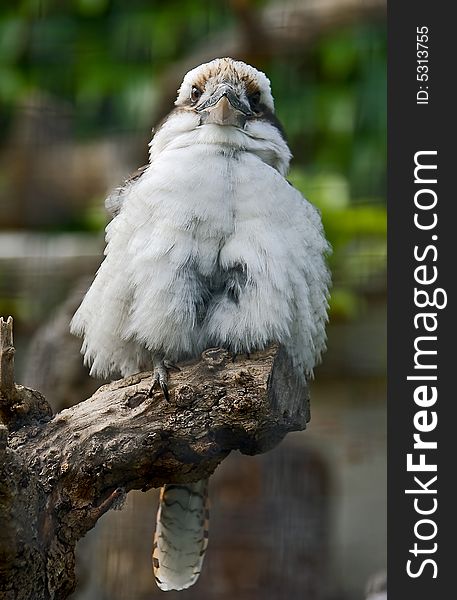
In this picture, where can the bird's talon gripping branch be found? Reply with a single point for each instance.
(160, 378)
(164, 387)
(171, 367)
(156, 382)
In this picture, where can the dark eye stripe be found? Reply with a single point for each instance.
(270, 117)
(254, 100)
(195, 93)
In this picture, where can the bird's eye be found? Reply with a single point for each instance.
(254, 100)
(195, 94)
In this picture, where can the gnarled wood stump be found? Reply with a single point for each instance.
(60, 473)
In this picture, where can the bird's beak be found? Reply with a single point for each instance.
(225, 107)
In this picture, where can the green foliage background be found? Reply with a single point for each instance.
(105, 58)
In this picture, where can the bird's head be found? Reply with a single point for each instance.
(226, 92)
(225, 104)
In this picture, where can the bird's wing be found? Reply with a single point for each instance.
(144, 297)
(277, 279)
(310, 281)
(101, 319)
(114, 201)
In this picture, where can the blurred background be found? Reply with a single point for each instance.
(82, 83)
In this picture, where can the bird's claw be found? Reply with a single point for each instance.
(160, 379)
(164, 387)
(171, 367)
(157, 382)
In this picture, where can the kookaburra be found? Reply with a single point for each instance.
(209, 246)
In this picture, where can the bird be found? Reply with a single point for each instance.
(209, 246)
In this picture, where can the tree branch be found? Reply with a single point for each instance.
(6, 358)
(62, 474)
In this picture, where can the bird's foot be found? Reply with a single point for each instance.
(160, 377)
(171, 367)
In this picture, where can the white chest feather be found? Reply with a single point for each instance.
(211, 247)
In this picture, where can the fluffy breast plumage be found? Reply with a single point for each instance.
(210, 247)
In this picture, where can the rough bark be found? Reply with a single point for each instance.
(60, 473)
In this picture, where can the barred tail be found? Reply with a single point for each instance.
(181, 535)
